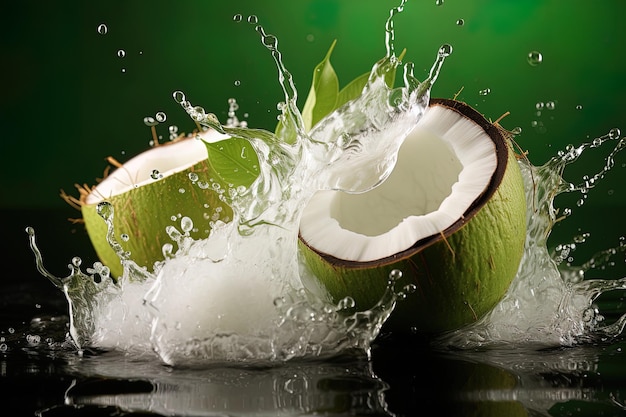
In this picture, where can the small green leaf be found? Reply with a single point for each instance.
(322, 98)
(233, 161)
(352, 90)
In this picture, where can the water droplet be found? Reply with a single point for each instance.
(121, 53)
(238, 18)
(253, 20)
(125, 237)
(346, 303)
(186, 224)
(237, 83)
(102, 29)
(460, 22)
(485, 91)
(395, 275)
(181, 190)
(179, 97)
(445, 50)
(123, 70)
(193, 176)
(535, 58)
(539, 105)
(173, 132)
(614, 133)
(150, 121)
(550, 105)
(439, 2)
(579, 107)
(161, 117)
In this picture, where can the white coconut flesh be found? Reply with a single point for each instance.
(443, 166)
(162, 160)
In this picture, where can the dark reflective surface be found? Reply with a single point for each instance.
(404, 377)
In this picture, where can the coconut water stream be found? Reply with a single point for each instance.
(241, 294)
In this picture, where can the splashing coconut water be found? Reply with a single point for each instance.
(247, 292)
(238, 294)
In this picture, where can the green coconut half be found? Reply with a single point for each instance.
(162, 187)
(451, 216)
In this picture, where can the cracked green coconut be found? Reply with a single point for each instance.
(451, 217)
(167, 191)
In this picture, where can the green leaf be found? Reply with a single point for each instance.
(355, 87)
(325, 97)
(322, 98)
(352, 90)
(233, 161)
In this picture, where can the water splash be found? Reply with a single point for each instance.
(551, 302)
(180, 311)
(241, 294)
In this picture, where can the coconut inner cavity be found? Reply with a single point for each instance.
(443, 166)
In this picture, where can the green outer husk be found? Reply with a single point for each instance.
(459, 276)
(143, 214)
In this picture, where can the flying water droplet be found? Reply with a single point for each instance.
(445, 50)
(155, 174)
(161, 117)
(179, 97)
(150, 121)
(173, 130)
(186, 224)
(102, 29)
(121, 53)
(535, 58)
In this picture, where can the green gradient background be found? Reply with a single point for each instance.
(66, 104)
